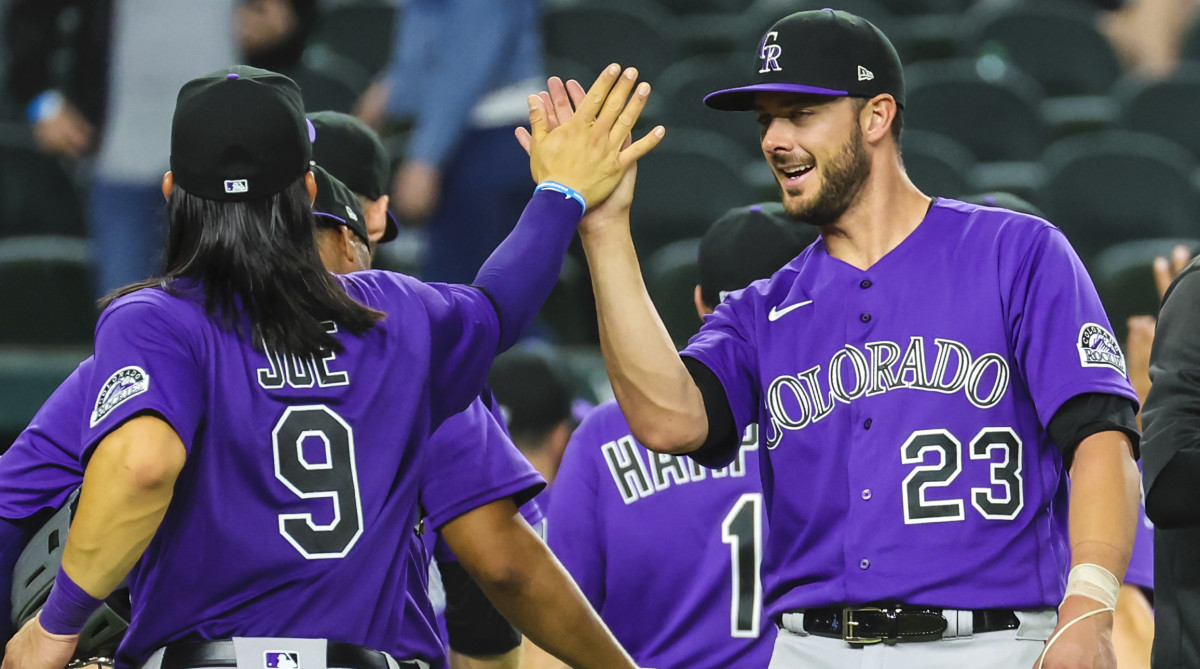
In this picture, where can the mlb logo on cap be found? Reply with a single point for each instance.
(275, 659)
(237, 186)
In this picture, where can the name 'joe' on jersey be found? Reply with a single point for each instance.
(902, 411)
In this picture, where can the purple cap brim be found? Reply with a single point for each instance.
(742, 98)
(312, 131)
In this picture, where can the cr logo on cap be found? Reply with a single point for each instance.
(769, 52)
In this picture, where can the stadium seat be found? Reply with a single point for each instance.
(1124, 277)
(1115, 186)
(672, 273)
(1156, 107)
(27, 377)
(570, 310)
(1055, 43)
(684, 185)
(937, 164)
(596, 36)
(360, 31)
(679, 100)
(990, 109)
(47, 292)
(38, 195)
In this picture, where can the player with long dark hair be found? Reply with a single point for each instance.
(288, 418)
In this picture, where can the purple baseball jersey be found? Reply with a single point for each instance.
(470, 462)
(903, 412)
(665, 550)
(45, 463)
(302, 474)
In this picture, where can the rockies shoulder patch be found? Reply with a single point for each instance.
(125, 383)
(1098, 348)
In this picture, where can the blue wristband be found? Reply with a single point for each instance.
(46, 104)
(68, 607)
(567, 191)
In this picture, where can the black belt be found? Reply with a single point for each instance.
(872, 624)
(222, 654)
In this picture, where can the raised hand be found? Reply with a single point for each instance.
(1166, 270)
(588, 151)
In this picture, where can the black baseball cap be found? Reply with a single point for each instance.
(239, 134)
(746, 244)
(533, 390)
(336, 205)
(820, 52)
(353, 152)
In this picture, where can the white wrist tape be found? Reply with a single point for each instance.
(1094, 582)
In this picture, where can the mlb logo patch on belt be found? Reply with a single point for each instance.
(281, 659)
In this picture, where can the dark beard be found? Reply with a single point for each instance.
(844, 178)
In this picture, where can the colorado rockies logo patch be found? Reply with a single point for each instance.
(1098, 348)
(125, 383)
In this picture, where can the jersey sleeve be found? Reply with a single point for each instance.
(145, 362)
(1061, 336)
(463, 331)
(470, 461)
(45, 462)
(725, 346)
(573, 521)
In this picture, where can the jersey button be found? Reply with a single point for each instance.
(864, 284)
(864, 317)
(864, 564)
(867, 424)
(866, 493)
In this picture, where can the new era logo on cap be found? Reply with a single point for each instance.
(237, 186)
(864, 74)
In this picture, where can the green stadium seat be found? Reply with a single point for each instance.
(1114, 186)
(596, 36)
(359, 31)
(1056, 43)
(1155, 106)
(672, 273)
(47, 296)
(1124, 277)
(988, 107)
(936, 164)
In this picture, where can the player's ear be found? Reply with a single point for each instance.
(876, 117)
(310, 182)
(168, 183)
(702, 309)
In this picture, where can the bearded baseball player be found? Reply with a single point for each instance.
(621, 514)
(925, 377)
(289, 553)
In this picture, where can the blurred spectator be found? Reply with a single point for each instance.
(275, 34)
(535, 398)
(110, 102)
(459, 75)
(271, 34)
(1148, 35)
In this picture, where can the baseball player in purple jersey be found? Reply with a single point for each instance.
(252, 380)
(45, 464)
(621, 513)
(924, 377)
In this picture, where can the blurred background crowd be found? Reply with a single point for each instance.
(1075, 107)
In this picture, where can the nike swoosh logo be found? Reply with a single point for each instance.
(777, 313)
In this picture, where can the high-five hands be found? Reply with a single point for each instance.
(588, 148)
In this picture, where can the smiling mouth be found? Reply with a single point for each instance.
(795, 172)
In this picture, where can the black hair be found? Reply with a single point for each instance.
(258, 257)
